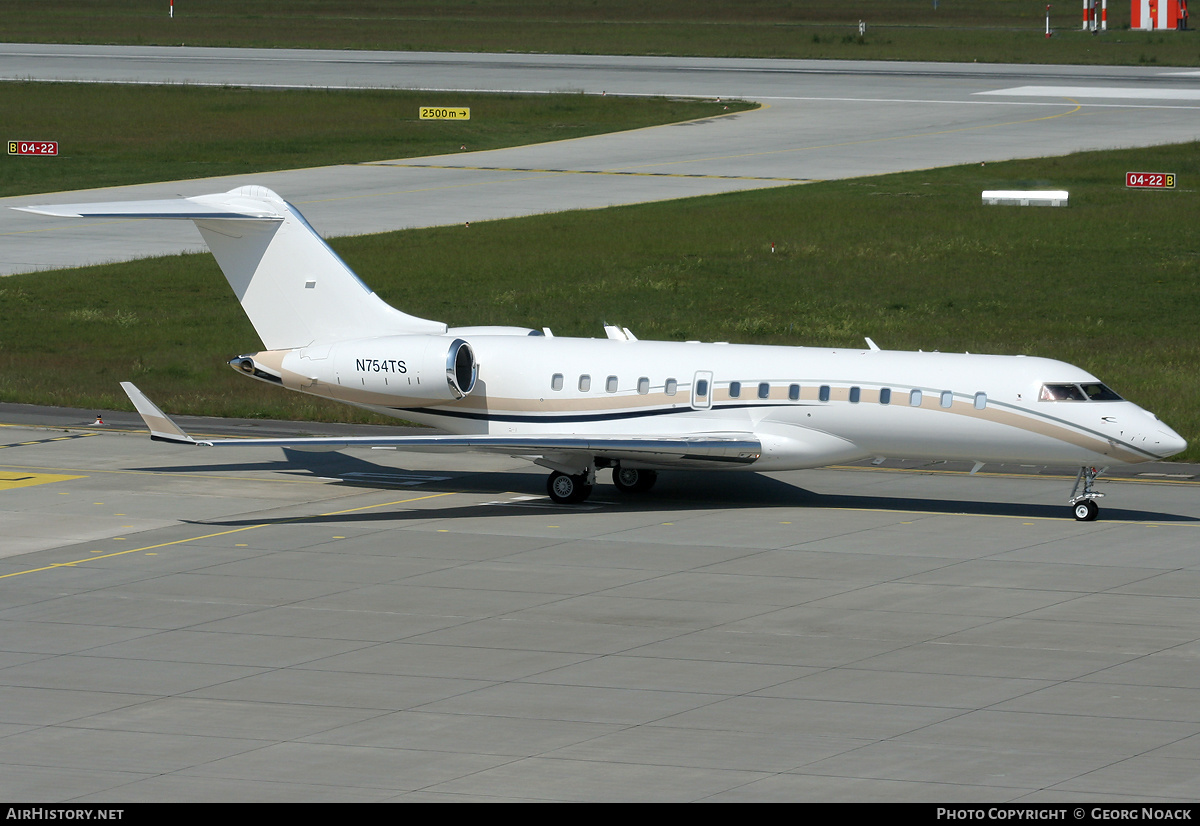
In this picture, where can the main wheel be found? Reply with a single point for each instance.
(630, 480)
(568, 490)
(1086, 510)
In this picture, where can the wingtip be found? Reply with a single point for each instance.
(47, 210)
(161, 428)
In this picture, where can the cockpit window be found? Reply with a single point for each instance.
(1093, 391)
(1061, 393)
(1098, 392)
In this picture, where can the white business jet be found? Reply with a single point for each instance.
(637, 407)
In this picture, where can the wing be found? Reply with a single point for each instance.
(572, 452)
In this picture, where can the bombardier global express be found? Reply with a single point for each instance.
(636, 407)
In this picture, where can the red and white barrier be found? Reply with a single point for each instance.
(1157, 15)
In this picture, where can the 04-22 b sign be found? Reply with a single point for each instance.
(1150, 180)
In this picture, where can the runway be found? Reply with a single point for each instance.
(821, 120)
(190, 625)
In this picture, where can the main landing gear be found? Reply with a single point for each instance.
(632, 480)
(571, 489)
(1083, 496)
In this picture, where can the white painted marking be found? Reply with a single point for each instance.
(1124, 92)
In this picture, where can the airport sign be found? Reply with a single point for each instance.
(33, 147)
(445, 113)
(1150, 180)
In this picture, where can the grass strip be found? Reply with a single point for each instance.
(913, 260)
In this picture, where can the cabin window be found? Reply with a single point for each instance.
(885, 395)
(947, 398)
(701, 388)
(855, 395)
(823, 393)
(585, 383)
(764, 390)
(610, 384)
(671, 387)
(735, 389)
(794, 392)
(556, 381)
(914, 398)
(980, 401)
(643, 386)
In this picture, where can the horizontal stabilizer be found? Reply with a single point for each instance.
(200, 207)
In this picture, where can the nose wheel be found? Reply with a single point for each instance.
(1084, 496)
(1086, 511)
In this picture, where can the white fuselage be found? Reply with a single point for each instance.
(808, 406)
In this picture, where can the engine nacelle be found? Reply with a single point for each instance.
(416, 369)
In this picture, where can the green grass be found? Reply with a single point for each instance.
(112, 135)
(958, 30)
(913, 260)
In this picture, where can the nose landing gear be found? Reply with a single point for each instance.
(1083, 496)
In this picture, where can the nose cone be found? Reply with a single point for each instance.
(1166, 442)
(1130, 426)
(1156, 438)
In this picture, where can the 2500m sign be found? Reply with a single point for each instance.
(445, 113)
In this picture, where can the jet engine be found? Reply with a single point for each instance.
(420, 367)
(428, 369)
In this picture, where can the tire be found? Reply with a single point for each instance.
(1086, 510)
(629, 480)
(568, 490)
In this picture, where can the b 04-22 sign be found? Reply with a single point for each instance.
(33, 147)
(1150, 180)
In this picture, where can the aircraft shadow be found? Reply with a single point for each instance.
(310, 463)
(687, 491)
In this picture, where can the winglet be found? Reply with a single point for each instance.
(161, 428)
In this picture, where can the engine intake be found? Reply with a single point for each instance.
(461, 368)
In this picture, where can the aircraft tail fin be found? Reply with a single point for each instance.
(295, 289)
